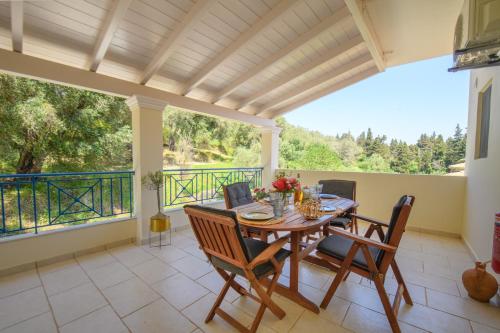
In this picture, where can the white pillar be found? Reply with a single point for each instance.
(147, 151)
(269, 153)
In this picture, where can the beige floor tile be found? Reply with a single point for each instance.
(75, 303)
(40, 324)
(129, 296)
(197, 312)
(479, 328)
(363, 320)
(336, 310)
(102, 320)
(192, 267)
(182, 242)
(130, 255)
(361, 295)
(214, 282)
(404, 255)
(309, 274)
(50, 268)
(433, 282)
(158, 316)
(293, 312)
(433, 320)
(309, 321)
(109, 275)
(22, 306)
(180, 291)
(445, 244)
(483, 313)
(417, 293)
(12, 284)
(195, 251)
(95, 260)
(153, 270)
(443, 271)
(64, 279)
(168, 253)
(461, 264)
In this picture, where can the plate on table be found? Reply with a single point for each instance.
(328, 196)
(328, 208)
(257, 216)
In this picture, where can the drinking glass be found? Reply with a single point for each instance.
(278, 207)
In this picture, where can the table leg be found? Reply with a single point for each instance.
(292, 291)
(294, 261)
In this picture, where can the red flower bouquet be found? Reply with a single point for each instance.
(285, 185)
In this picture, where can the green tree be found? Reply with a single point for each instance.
(319, 157)
(455, 147)
(47, 126)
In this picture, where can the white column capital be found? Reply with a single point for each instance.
(139, 101)
(272, 130)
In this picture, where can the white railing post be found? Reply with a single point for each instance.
(269, 153)
(147, 151)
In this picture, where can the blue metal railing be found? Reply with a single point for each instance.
(36, 202)
(199, 185)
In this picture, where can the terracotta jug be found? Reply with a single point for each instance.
(480, 284)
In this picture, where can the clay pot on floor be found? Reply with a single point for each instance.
(480, 284)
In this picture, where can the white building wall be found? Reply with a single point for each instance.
(483, 175)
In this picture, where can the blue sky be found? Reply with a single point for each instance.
(401, 102)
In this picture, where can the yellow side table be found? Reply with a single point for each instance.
(160, 223)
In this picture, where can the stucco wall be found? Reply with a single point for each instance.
(439, 199)
(483, 175)
(21, 250)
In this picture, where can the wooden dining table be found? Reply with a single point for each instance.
(298, 227)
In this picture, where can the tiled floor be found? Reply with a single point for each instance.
(134, 289)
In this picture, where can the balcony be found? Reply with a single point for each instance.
(74, 253)
(62, 265)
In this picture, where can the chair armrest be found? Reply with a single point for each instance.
(363, 240)
(369, 219)
(269, 252)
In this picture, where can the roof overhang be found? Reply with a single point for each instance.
(250, 61)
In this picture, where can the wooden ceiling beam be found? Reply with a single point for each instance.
(300, 41)
(326, 91)
(17, 25)
(364, 24)
(325, 58)
(168, 45)
(116, 14)
(238, 44)
(311, 84)
(40, 69)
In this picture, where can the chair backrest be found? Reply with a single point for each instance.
(397, 224)
(218, 233)
(342, 188)
(237, 194)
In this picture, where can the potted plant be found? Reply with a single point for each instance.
(260, 193)
(159, 222)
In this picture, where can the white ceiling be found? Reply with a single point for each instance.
(259, 57)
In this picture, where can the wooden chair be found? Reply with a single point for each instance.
(347, 252)
(239, 194)
(219, 236)
(345, 189)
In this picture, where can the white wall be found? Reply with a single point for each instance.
(483, 175)
(438, 205)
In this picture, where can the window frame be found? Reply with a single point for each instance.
(478, 154)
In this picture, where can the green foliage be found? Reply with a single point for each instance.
(304, 149)
(318, 156)
(47, 127)
(50, 127)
